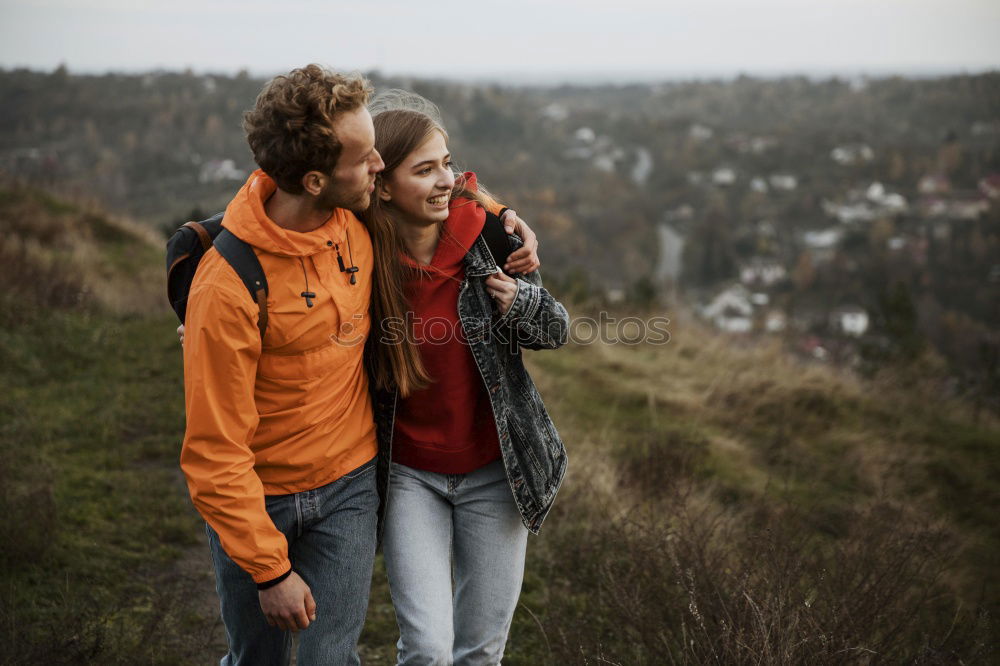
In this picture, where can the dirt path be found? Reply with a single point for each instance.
(195, 568)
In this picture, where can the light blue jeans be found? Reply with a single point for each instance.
(331, 543)
(454, 551)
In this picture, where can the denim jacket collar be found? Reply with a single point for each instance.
(479, 261)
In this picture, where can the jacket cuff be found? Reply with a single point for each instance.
(525, 305)
(273, 576)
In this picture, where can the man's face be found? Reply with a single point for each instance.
(352, 182)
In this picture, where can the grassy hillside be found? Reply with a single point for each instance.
(724, 504)
(93, 518)
(734, 506)
(58, 254)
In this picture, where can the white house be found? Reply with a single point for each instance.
(585, 135)
(897, 243)
(683, 213)
(849, 320)
(724, 176)
(555, 112)
(818, 240)
(933, 183)
(849, 213)
(853, 153)
(775, 321)
(615, 294)
(762, 144)
(783, 181)
(764, 272)
(216, 171)
(968, 207)
(990, 185)
(891, 202)
(731, 310)
(700, 132)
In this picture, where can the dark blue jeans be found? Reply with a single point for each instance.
(331, 543)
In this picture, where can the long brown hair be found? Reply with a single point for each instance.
(396, 363)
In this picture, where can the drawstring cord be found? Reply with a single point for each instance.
(350, 254)
(308, 295)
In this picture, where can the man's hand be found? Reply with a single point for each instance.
(180, 333)
(288, 605)
(524, 260)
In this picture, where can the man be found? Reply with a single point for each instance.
(280, 444)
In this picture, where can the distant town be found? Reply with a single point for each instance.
(855, 218)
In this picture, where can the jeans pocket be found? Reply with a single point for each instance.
(284, 512)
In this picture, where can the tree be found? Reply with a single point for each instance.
(898, 319)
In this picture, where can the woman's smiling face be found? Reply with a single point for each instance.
(420, 187)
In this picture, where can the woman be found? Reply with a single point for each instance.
(474, 459)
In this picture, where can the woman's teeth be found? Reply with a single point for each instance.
(438, 200)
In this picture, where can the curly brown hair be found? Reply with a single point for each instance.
(290, 128)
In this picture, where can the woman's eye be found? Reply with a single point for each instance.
(424, 171)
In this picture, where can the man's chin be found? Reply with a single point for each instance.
(361, 205)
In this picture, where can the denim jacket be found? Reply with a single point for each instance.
(532, 452)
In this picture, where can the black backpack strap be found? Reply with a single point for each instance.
(496, 238)
(244, 261)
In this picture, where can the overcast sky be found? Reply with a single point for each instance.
(535, 41)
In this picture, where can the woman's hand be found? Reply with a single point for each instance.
(180, 333)
(503, 289)
(525, 259)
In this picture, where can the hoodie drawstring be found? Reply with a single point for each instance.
(340, 260)
(308, 295)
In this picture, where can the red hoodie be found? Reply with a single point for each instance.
(449, 426)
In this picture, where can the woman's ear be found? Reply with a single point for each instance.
(383, 191)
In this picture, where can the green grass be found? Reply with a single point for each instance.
(93, 414)
(751, 464)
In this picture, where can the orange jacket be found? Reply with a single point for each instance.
(289, 414)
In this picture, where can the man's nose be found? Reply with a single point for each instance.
(378, 165)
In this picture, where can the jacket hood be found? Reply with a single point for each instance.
(245, 218)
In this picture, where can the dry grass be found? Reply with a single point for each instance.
(58, 254)
(735, 505)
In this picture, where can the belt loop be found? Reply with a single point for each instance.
(298, 514)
